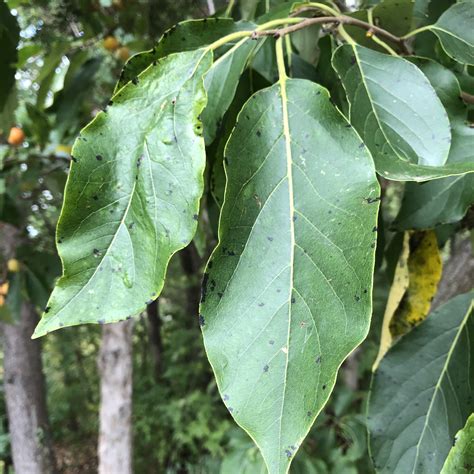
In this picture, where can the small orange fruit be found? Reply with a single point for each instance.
(16, 136)
(4, 288)
(13, 265)
(123, 53)
(111, 43)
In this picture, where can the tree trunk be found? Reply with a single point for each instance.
(154, 336)
(458, 273)
(115, 365)
(190, 262)
(25, 396)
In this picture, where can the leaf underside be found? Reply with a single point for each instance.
(132, 196)
(398, 114)
(287, 292)
(421, 394)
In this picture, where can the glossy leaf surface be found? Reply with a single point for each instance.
(132, 196)
(421, 394)
(405, 127)
(287, 292)
(455, 31)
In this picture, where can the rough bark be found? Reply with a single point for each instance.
(24, 383)
(115, 365)
(458, 273)
(25, 395)
(154, 337)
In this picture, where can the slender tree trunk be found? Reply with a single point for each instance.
(190, 262)
(154, 336)
(458, 273)
(25, 396)
(115, 365)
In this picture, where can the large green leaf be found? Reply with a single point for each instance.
(132, 195)
(9, 37)
(445, 200)
(287, 292)
(460, 459)
(398, 114)
(421, 394)
(455, 31)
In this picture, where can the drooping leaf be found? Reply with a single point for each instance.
(421, 394)
(445, 200)
(455, 31)
(398, 114)
(460, 459)
(424, 272)
(397, 291)
(287, 292)
(132, 195)
(9, 37)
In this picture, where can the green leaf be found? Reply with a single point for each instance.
(445, 200)
(132, 195)
(455, 31)
(421, 393)
(460, 459)
(9, 37)
(287, 294)
(398, 114)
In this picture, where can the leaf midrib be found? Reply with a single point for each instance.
(438, 383)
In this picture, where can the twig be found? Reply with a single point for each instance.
(340, 20)
(466, 97)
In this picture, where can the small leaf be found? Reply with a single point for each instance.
(455, 31)
(397, 291)
(421, 394)
(460, 459)
(405, 127)
(287, 294)
(132, 195)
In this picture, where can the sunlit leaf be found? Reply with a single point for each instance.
(460, 459)
(132, 197)
(287, 292)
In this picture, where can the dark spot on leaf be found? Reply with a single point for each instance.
(265, 368)
(95, 198)
(372, 200)
(375, 229)
(98, 157)
(195, 217)
(135, 80)
(74, 159)
(270, 239)
(259, 133)
(318, 360)
(293, 300)
(324, 387)
(47, 309)
(261, 305)
(202, 322)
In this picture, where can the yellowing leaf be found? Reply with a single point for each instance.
(424, 273)
(414, 285)
(397, 291)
